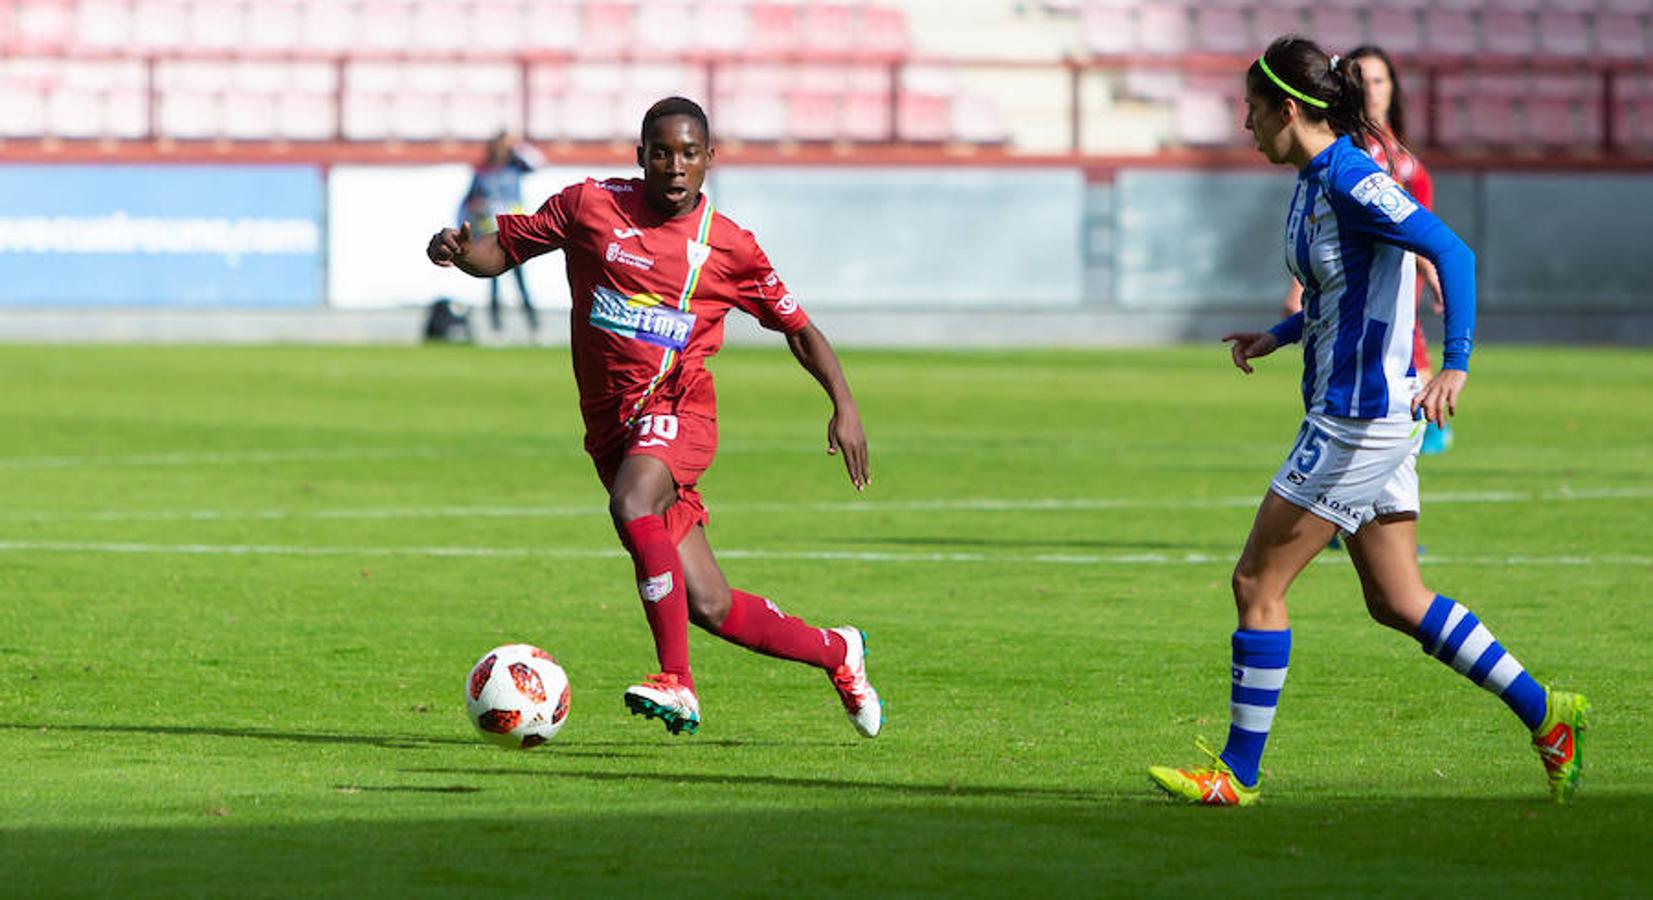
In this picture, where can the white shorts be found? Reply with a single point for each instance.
(1350, 471)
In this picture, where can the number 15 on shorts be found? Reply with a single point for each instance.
(656, 430)
(1311, 442)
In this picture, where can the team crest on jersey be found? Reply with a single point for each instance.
(698, 253)
(641, 317)
(1381, 191)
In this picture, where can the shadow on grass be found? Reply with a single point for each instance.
(571, 842)
(1005, 545)
(565, 747)
(861, 788)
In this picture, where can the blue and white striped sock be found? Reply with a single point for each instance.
(1453, 635)
(1259, 673)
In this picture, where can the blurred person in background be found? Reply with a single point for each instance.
(1386, 106)
(496, 190)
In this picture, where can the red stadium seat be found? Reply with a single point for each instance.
(923, 118)
(495, 26)
(1564, 111)
(1621, 36)
(883, 33)
(249, 115)
(812, 116)
(441, 26)
(384, 28)
(1221, 29)
(720, 28)
(1162, 27)
(72, 113)
(1270, 22)
(550, 27)
(159, 25)
(189, 115)
(41, 25)
(1493, 120)
(751, 116)
(1107, 30)
(330, 27)
(103, 25)
(1563, 34)
(1449, 31)
(305, 115)
(978, 120)
(607, 30)
(1336, 29)
(1206, 119)
(216, 26)
(1395, 30)
(829, 29)
(866, 116)
(774, 31)
(1507, 33)
(663, 34)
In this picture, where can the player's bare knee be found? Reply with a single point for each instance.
(708, 608)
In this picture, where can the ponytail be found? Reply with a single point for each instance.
(1327, 88)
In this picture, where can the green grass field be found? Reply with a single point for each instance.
(242, 588)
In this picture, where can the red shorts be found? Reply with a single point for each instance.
(685, 442)
(1420, 349)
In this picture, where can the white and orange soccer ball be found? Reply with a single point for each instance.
(517, 696)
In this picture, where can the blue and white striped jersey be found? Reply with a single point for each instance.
(1350, 237)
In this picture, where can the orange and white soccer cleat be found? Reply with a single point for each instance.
(861, 702)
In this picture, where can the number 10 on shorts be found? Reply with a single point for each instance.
(656, 430)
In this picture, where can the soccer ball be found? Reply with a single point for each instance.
(517, 696)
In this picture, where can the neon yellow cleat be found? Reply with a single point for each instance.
(1213, 785)
(1559, 742)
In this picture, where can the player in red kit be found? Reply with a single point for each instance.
(653, 269)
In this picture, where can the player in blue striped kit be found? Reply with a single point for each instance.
(1350, 239)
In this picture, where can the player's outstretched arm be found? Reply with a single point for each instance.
(479, 256)
(1248, 345)
(844, 433)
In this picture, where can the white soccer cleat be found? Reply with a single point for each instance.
(861, 703)
(663, 697)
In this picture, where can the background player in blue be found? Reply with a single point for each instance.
(496, 190)
(1350, 237)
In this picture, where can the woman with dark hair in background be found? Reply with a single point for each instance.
(1350, 237)
(1386, 106)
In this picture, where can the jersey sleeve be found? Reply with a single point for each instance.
(760, 292)
(548, 228)
(1369, 203)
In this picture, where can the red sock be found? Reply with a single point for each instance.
(665, 597)
(757, 624)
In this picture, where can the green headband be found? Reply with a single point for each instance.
(1312, 101)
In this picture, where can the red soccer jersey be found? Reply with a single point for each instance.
(649, 293)
(1408, 170)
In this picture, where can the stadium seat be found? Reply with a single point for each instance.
(1493, 120)
(41, 26)
(1506, 33)
(1621, 36)
(189, 115)
(249, 115)
(751, 116)
(25, 107)
(1204, 119)
(923, 118)
(385, 28)
(216, 26)
(773, 31)
(1162, 27)
(813, 116)
(829, 29)
(978, 120)
(1448, 32)
(159, 25)
(1107, 30)
(102, 25)
(883, 33)
(1221, 29)
(72, 113)
(866, 116)
(1563, 34)
(275, 25)
(1270, 22)
(1395, 30)
(667, 31)
(1336, 28)
(443, 26)
(550, 27)
(303, 115)
(1564, 111)
(721, 28)
(126, 113)
(329, 27)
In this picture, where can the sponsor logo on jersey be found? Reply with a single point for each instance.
(786, 306)
(642, 317)
(623, 233)
(615, 254)
(655, 588)
(1381, 191)
(618, 187)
